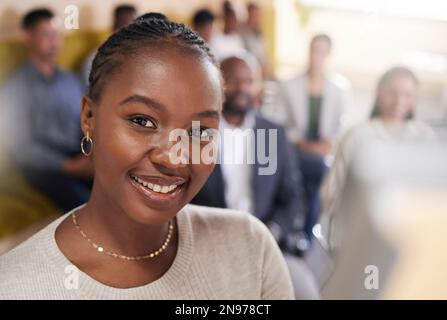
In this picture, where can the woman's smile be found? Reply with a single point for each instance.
(158, 191)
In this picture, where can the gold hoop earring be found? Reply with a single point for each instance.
(86, 139)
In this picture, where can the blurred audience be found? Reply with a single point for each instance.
(42, 105)
(42, 134)
(311, 107)
(276, 199)
(122, 16)
(228, 43)
(392, 118)
(203, 24)
(252, 37)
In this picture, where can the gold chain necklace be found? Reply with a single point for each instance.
(120, 256)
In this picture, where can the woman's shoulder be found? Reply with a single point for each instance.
(221, 221)
(353, 133)
(297, 79)
(28, 246)
(29, 256)
(222, 237)
(420, 130)
(219, 227)
(365, 129)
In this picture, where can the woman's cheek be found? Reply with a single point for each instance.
(201, 172)
(119, 149)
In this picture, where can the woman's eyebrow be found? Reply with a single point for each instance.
(207, 114)
(144, 100)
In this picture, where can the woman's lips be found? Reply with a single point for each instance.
(158, 189)
(158, 184)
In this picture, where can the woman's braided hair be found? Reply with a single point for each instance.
(150, 29)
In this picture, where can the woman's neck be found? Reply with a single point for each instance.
(104, 220)
(315, 82)
(316, 73)
(393, 122)
(394, 127)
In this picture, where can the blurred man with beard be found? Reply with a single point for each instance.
(274, 197)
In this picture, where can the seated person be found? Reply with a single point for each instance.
(41, 105)
(311, 108)
(137, 237)
(228, 43)
(253, 38)
(391, 119)
(122, 16)
(203, 23)
(274, 197)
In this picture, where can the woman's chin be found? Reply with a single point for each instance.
(144, 215)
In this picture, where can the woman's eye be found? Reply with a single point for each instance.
(202, 133)
(144, 122)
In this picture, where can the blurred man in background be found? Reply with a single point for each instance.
(42, 106)
(122, 16)
(203, 24)
(252, 36)
(276, 199)
(228, 43)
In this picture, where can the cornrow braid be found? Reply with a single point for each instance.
(151, 29)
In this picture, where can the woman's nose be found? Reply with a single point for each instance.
(170, 154)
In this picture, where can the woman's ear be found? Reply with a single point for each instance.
(87, 116)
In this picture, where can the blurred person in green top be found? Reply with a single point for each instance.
(311, 105)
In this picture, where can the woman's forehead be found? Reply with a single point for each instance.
(400, 81)
(168, 77)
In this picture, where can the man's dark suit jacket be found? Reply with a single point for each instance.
(278, 198)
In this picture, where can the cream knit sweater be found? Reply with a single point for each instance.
(222, 254)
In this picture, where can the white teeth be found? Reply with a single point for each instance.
(155, 187)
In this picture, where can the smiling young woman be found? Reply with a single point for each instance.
(137, 237)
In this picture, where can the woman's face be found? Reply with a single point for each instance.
(397, 98)
(319, 52)
(149, 96)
